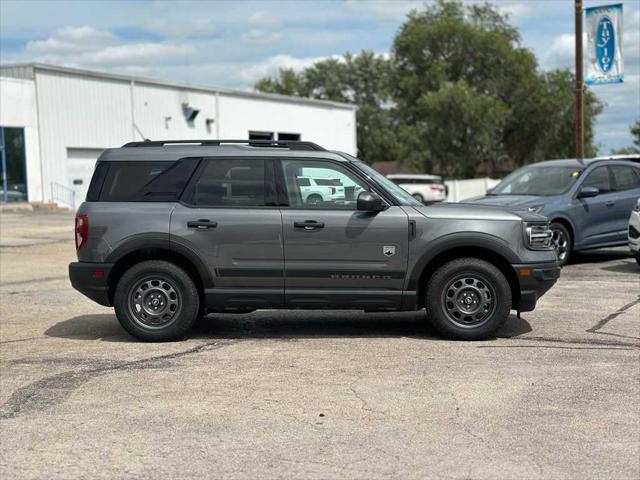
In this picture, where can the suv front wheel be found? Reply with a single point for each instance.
(156, 301)
(468, 299)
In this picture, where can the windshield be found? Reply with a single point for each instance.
(398, 193)
(541, 181)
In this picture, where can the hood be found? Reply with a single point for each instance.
(460, 211)
(522, 201)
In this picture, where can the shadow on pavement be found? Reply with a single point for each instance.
(625, 267)
(280, 325)
(90, 327)
(599, 256)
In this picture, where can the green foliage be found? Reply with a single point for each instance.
(457, 93)
(635, 148)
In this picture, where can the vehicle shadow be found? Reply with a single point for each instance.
(599, 256)
(285, 324)
(103, 327)
(625, 267)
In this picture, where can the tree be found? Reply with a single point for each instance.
(635, 148)
(528, 115)
(364, 79)
(457, 94)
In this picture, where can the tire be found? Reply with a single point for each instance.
(156, 301)
(314, 199)
(418, 197)
(563, 242)
(462, 279)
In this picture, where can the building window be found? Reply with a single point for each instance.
(254, 135)
(13, 181)
(289, 136)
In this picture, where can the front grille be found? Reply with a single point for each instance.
(633, 233)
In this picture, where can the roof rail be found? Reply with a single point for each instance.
(290, 144)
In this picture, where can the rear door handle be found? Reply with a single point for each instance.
(610, 203)
(309, 225)
(202, 224)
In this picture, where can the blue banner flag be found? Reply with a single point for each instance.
(604, 44)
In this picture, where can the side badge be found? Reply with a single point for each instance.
(389, 250)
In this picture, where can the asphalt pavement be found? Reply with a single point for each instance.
(296, 394)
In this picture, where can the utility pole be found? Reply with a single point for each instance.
(579, 88)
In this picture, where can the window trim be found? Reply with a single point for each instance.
(186, 199)
(280, 179)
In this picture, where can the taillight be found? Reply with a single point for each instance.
(437, 188)
(82, 230)
(333, 190)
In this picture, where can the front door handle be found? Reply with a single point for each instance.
(610, 203)
(309, 225)
(201, 224)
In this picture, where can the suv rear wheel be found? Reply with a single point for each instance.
(468, 299)
(156, 301)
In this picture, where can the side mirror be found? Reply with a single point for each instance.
(369, 202)
(586, 192)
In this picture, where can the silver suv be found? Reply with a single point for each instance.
(171, 231)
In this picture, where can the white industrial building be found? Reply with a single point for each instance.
(55, 121)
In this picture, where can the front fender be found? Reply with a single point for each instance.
(451, 241)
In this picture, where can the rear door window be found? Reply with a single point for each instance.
(625, 177)
(230, 183)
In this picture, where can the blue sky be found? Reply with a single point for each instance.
(234, 43)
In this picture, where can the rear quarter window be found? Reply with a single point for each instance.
(146, 181)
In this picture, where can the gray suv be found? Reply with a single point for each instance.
(171, 231)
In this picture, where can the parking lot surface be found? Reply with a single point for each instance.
(298, 394)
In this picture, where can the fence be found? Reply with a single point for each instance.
(463, 189)
(63, 195)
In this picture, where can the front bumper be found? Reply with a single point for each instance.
(535, 280)
(91, 279)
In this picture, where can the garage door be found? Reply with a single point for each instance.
(80, 165)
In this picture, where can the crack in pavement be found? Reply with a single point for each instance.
(580, 341)
(601, 323)
(55, 389)
(38, 280)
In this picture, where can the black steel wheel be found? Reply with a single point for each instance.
(468, 299)
(156, 301)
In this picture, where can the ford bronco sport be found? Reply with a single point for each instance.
(171, 231)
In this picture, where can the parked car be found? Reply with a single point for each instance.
(634, 231)
(318, 190)
(424, 188)
(171, 231)
(588, 202)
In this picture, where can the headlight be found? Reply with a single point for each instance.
(537, 236)
(537, 209)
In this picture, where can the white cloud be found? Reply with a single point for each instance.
(516, 10)
(272, 66)
(385, 10)
(87, 46)
(261, 37)
(263, 20)
(172, 27)
(138, 54)
(72, 40)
